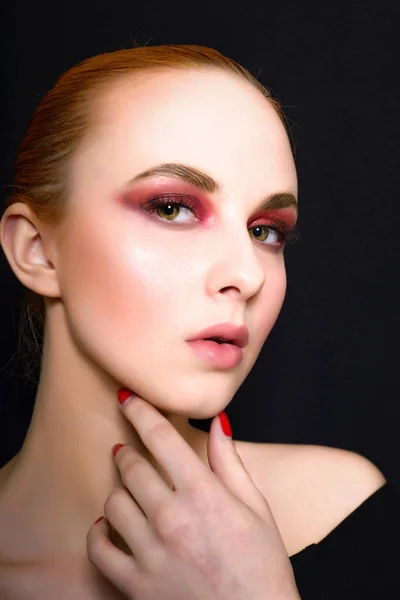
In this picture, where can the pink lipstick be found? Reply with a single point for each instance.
(220, 345)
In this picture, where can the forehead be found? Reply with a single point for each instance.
(210, 119)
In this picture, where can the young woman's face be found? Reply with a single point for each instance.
(138, 279)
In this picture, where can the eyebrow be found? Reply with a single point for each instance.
(205, 183)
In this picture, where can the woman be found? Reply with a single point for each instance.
(155, 191)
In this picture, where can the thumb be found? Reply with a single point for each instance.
(227, 465)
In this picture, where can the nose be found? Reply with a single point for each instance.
(236, 268)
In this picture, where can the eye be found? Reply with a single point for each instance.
(170, 209)
(184, 209)
(277, 235)
(265, 232)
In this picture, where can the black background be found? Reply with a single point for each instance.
(328, 373)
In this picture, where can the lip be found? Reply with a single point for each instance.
(238, 336)
(220, 356)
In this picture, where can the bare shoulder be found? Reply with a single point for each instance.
(310, 489)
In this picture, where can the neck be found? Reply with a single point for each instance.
(61, 478)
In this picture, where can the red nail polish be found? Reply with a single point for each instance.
(123, 394)
(116, 448)
(226, 427)
(99, 519)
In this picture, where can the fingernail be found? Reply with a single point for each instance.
(123, 395)
(116, 448)
(99, 519)
(226, 427)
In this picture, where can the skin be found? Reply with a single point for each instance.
(124, 289)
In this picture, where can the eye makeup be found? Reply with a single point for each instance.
(165, 203)
(143, 194)
(147, 194)
(287, 216)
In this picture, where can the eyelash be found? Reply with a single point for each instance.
(287, 235)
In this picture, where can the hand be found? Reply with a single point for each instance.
(212, 537)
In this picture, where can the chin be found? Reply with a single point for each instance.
(195, 399)
(196, 393)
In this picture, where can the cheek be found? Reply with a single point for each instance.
(271, 301)
(116, 290)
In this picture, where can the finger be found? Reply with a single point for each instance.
(141, 479)
(117, 566)
(227, 464)
(128, 520)
(168, 447)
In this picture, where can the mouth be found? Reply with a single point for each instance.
(220, 355)
(221, 345)
(225, 333)
(219, 340)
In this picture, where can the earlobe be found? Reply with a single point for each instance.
(24, 249)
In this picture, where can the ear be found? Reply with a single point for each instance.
(25, 250)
